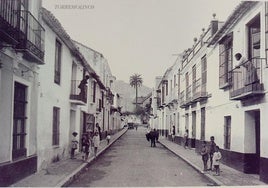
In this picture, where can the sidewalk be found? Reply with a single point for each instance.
(228, 176)
(64, 171)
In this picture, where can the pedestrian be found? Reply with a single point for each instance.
(74, 144)
(96, 142)
(204, 153)
(212, 147)
(85, 146)
(108, 138)
(173, 133)
(98, 129)
(157, 135)
(152, 136)
(216, 160)
(186, 135)
(82, 86)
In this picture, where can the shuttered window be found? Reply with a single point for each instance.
(226, 60)
(227, 132)
(19, 121)
(56, 126)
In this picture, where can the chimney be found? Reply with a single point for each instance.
(214, 24)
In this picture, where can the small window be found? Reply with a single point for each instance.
(57, 72)
(56, 126)
(227, 132)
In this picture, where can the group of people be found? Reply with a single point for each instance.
(152, 135)
(209, 152)
(90, 143)
(212, 153)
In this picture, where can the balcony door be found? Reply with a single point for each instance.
(19, 121)
(254, 36)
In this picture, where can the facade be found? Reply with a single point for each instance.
(42, 100)
(21, 53)
(108, 115)
(220, 96)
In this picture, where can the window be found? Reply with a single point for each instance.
(56, 126)
(175, 80)
(204, 73)
(194, 79)
(226, 60)
(94, 91)
(166, 87)
(254, 38)
(57, 73)
(171, 86)
(178, 122)
(19, 121)
(227, 132)
(179, 80)
(193, 124)
(203, 122)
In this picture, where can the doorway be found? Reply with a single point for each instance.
(252, 142)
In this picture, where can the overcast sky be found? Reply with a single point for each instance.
(138, 36)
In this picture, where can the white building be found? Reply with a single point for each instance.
(21, 51)
(221, 99)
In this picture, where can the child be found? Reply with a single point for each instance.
(216, 160)
(74, 144)
(204, 153)
(108, 138)
(85, 146)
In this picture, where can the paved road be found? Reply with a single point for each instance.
(131, 162)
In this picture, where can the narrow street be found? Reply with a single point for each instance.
(131, 162)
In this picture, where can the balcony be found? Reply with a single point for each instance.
(188, 95)
(247, 80)
(9, 22)
(21, 30)
(78, 96)
(199, 91)
(182, 102)
(31, 38)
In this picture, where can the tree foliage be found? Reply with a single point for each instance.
(136, 81)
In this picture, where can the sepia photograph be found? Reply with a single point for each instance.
(128, 93)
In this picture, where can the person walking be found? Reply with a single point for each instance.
(85, 146)
(212, 147)
(74, 144)
(204, 154)
(216, 160)
(186, 135)
(173, 133)
(96, 142)
(108, 138)
(153, 137)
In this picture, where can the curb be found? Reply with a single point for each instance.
(210, 177)
(68, 179)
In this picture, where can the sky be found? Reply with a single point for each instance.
(138, 36)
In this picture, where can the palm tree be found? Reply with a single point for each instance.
(135, 81)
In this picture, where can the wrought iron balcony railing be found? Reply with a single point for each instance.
(31, 37)
(78, 95)
(188, 94)
(247, 79)
(21, 30)
(199, 91)
(9, 21)
(182, 101)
